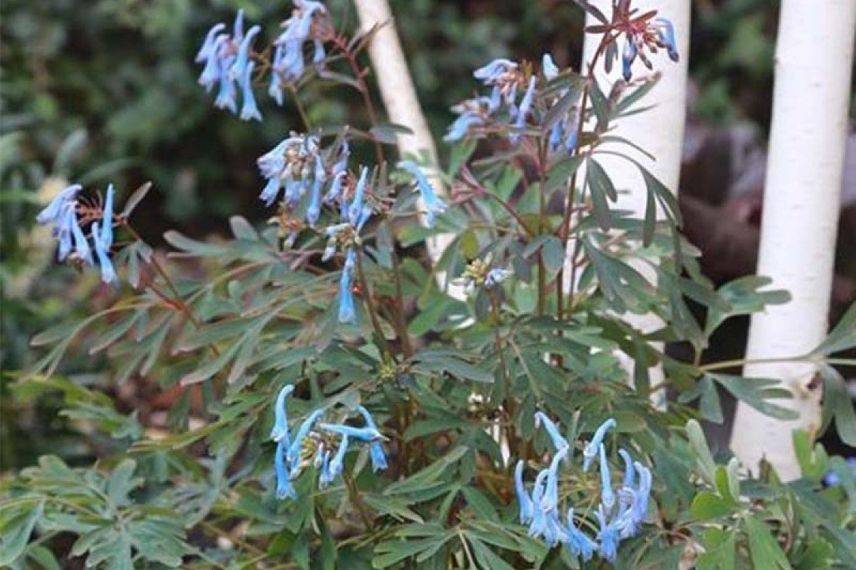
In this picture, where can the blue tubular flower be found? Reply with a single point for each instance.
(559, 442)
(227, 96)
(283, 479)
(496, 276)
(81, 245)
(666, 31)
(354, 210)
(550, 500)
(629, 474)
(320, 176)
(607, 497)
(280, 422)
(63, 230)
(461, 126)
(502, 76)
(367, 433)
(627, 58)
(56, 208)
(523, 111)
(207, 49)
(523, 499)
(347, 311)
(643, 494)
(335, 190)
(378, 455)
(249, 109)
(591, 449)
(433, 205)
(107, 219)
(296, 447)
(549, 67)
(238, 69)
(578, 542)
(337, 464)
(102, 250)
(608, 536)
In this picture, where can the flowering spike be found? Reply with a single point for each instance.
(591, 449)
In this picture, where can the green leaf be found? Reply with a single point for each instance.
(135, 198)
(743, 296)
(842, 337)
(16, 530)
(765, 551)
(561, 172)
(838, 405)
(707, 505)
(702, 452)
(814, 462)
(757, 392)
(719, 553)
(601, 187)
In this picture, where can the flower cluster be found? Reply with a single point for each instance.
(226, 64)
(288, 61)
(66, 214)
(620, 513)
(228, 59)
(645, 31)
(322, 445)
(503, 112)
(479, 273)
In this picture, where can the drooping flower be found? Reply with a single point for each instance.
(332, 468)
(667, 37)
(471, 113)
(523, 499)
(641, 33)
(608, 535)
(82, 250)
(284, 487)
(102, 251)
(107, 219)
(579, 542)
(432, 204)
(607, 497)
(523, 111)
(52, 213)
(559, 442)
(347, 309)
(591, 449)
(280, 424)
(249, 109)
(479, 273)
(496, 276)
(376, 451)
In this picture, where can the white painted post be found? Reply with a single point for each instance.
(814, 55)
